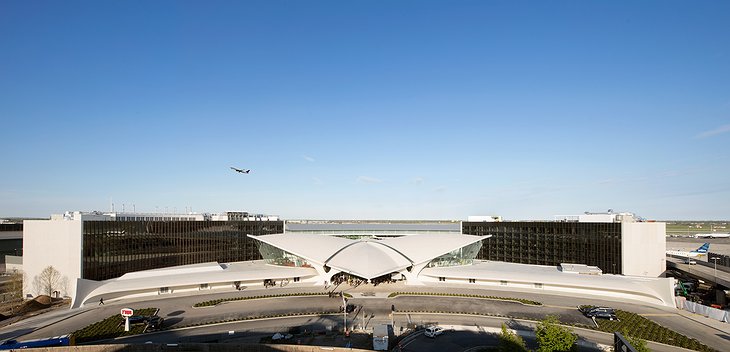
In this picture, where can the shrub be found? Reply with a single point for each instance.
(216, 302)
(110, 327)
(520, 300)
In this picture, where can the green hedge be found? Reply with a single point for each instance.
(635, 325)
(110, 328)
(520, 300)
(216, 302)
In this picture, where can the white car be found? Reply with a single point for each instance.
(433, 331)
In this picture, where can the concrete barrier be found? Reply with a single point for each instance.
(202, 347)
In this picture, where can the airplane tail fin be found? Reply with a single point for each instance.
(703, 248)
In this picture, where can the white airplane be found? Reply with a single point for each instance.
(712, 235)
(689, 254)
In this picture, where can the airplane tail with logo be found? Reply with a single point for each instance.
(703, 249)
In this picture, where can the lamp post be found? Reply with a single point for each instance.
(715, 260)
(344, 310)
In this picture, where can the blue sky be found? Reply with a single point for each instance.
(366, 109)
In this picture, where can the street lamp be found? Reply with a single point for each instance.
(344, 310)
(715, 259)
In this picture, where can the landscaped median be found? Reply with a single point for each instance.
(494, 298)
(629, 324)
(216, 302)
(111, 327)
(257, 317)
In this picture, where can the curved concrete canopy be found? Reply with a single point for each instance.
(369, 258)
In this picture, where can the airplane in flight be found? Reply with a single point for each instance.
(690, 254)
(712, 235)
(240, 170)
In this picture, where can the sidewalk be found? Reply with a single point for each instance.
(710, 323)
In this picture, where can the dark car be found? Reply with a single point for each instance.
(154, 323)
(136, 319)
(599, 312)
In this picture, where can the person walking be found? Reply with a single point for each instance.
(101, 301)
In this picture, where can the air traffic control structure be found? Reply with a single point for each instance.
(119, 259)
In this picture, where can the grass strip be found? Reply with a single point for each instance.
(465, 295)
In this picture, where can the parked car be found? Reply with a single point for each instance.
(599, 312)
(433, 331)
(154, 323)
(136, 319)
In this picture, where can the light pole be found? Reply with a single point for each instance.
(715, 259)
(344, 310)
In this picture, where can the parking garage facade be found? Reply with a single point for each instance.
(114, 248)
(550, 243)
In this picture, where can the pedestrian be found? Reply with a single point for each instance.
(101, 301)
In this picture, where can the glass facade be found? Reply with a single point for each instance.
(113, 248)
(462, 256)
(550, 243)
(11, 240)
(277, 256)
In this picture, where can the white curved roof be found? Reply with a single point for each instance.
(424, 248)
(369, 258)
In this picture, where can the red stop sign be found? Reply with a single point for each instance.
(127, 312)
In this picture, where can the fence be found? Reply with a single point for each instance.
(723, 261)
(712, 313)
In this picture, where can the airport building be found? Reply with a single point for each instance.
(97, 246)
(116, 256)
(614, 242)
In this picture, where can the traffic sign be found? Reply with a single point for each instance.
(127, 312)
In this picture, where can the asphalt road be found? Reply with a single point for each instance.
(375, 309)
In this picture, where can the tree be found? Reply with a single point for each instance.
(47, 281)
(15, 285)
(511, 342)
(551, 336)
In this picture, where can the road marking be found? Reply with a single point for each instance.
(659, 314)
(564, 307)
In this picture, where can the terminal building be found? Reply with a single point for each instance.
(118, 256)
(617, 243)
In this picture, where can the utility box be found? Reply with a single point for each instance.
(382, 335)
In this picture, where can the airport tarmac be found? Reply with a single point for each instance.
(717, 245)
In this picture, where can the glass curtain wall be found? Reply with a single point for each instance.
(550, 243)
(113, 248)
(277, 256)
(462, 256)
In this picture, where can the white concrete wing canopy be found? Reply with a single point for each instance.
(369, 258)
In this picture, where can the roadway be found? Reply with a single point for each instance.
(178, 312)
(704, 271)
